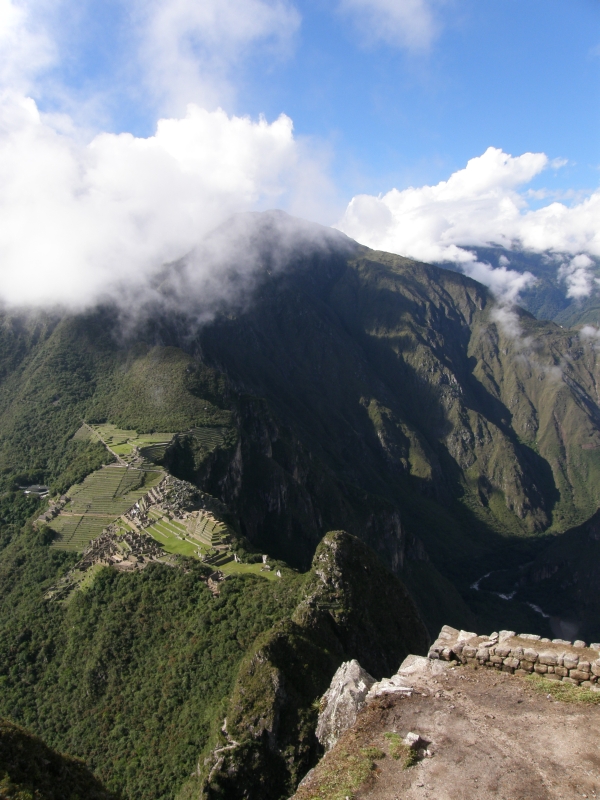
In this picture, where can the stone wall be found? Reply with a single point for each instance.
(522, 654)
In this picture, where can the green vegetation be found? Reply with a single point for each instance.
(342, 771)
(170, 537)
(399, 750)
(30, 770)
(237, 568)
(567, 692)
(351, 607)
(126, 443)
(130, 675)
(156, 389)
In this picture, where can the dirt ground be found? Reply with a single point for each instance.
(492, 736)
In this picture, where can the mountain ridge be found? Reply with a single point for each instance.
(352, 390)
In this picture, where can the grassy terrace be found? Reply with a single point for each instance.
(209, 437)
(99, 500)
(152, 446)
(170, 535)
(208, 530)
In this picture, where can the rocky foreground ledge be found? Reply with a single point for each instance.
(475, 730)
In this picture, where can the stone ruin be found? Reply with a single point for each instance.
(522, 654)
(108, 549)
(53, 510)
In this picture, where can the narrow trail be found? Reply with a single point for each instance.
(110, 450)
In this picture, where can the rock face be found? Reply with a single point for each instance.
(342, 702)
(352, 688)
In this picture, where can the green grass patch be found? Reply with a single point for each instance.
(341, 772)
(123, 449)
(235, 568)
(171, 544)
(400, 751)
(567, 692)
(373, 752)
(176, 527)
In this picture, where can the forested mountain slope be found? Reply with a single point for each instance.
(361, 390)
(30, 770)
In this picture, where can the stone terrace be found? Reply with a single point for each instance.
(521, 654)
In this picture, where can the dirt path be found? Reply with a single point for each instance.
(110, 450)
(85, 514)
(492, 735)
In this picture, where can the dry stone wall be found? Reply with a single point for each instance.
(522, 654)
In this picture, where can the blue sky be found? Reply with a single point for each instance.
(518, 76)
(414, 125)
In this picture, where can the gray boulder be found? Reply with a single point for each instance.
(342, 701)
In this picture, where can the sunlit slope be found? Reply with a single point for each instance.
(76, 368)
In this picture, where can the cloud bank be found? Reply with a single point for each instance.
(187, 49)
(76, 219)
(83, 215)
(480, 205)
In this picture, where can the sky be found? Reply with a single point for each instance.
(129, 129)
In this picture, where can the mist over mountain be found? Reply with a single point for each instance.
(565, 289)
(299, 383)
(402, 381)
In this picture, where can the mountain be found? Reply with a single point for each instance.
(307, 385)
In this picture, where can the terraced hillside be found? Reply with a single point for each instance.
(99, 500)
(127, 446)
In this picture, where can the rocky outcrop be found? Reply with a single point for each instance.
(341, 703)
(352, 688)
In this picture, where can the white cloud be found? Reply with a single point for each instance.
(187, 48)
(407, 23)
(25, 46)
(85, 215)
(478, 205)
(78, 219)
(506, 284)
(590, 332)
(577, 275)
(590, 335)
